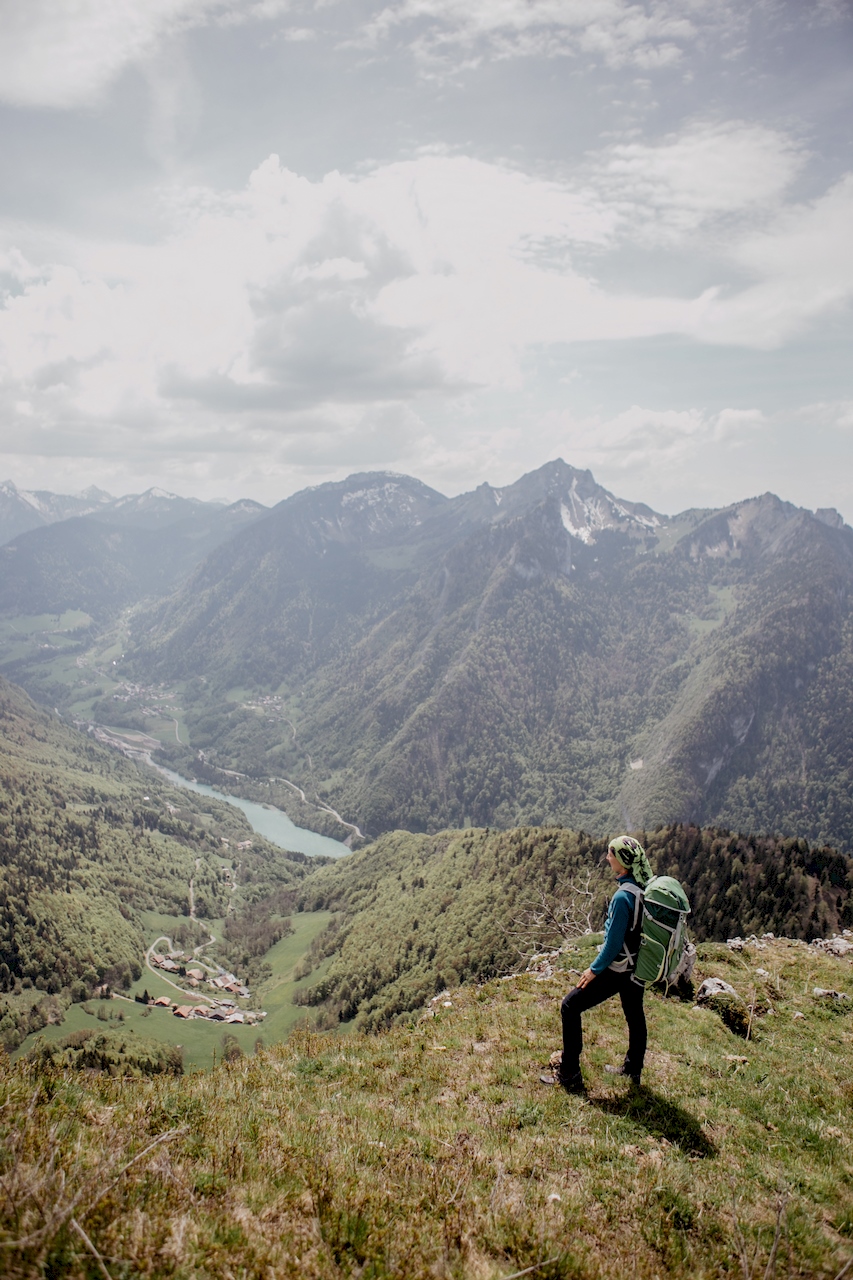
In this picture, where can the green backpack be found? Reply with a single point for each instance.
(663, 934)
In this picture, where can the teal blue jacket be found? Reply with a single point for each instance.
(620, 914)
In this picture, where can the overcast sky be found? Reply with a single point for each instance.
(250, 245)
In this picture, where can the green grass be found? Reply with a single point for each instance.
(276, 994)
(201, 1039)
(432, 1150)
(23, 638)
(156, 922)
(723, 601)
(239, 694)
(30, 624)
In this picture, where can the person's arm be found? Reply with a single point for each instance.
(618, 919)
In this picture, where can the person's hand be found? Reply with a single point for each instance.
(586, 978)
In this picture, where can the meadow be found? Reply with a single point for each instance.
(431, 1150)
(200, 1041)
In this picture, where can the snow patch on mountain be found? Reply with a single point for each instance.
(577, 531)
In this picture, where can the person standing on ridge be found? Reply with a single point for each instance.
(611, 972)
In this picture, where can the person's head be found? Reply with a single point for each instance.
(614, 864)
(625, 855)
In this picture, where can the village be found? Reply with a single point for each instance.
(221, 1007)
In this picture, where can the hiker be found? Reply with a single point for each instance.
(611, 972)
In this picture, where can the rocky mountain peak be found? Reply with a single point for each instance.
(586, 507)
(367, 506)
(764, 526)
(830, 517)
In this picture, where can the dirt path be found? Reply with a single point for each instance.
(195, 995)
(326, 808)
(211, 968)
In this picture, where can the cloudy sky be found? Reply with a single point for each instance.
(249, 245)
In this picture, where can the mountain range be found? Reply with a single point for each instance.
(541, 653)
(106, 558)
(22, 510)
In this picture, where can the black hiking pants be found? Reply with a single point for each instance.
(579, 999)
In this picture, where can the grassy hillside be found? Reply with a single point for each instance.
(414, 913)
(431, 1150)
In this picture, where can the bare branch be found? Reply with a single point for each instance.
(770, 1269)
(552, 918)
(94, 1252)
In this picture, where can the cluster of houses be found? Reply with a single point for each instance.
(226, 982)
(129, 692)
(222, 1011)
(223, 1008)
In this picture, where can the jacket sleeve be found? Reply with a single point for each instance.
(618, 920)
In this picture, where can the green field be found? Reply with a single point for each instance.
(49, 645)
(200, 1040)
(30, 624)
(276, 995)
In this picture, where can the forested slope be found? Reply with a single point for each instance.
(100, 567)
(416, 913)
(538, 654)
(86, 842)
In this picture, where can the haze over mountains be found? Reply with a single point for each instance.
(22, 510)
(93, 552)
(543, 652)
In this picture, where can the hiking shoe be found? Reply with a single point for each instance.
(573, 1084)
(623, 1071)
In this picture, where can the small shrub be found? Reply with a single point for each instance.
(733, 1012)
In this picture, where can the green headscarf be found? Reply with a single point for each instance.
(632, 855)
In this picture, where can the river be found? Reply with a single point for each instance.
(271, 823)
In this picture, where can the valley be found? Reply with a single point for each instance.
(371, 655)
(200, 1042)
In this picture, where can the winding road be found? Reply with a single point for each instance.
(196, 995)
(324, 808)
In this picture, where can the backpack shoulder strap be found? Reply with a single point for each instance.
(627, 957)
(637, 894)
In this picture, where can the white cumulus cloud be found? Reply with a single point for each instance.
(334, 310)
(802, 265)
(707, 170)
